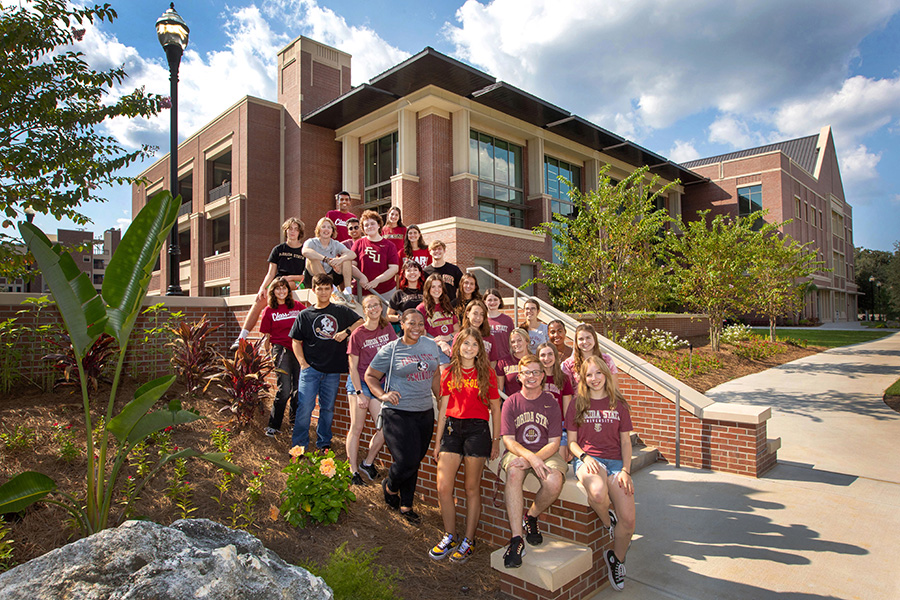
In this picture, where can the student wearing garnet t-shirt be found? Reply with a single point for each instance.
(449, 273)
(501, 324)
(531, 426)
(469, 397)
(354, 230)
(475, 316)
(394, 231)
(441, 322)
(508, 366)
(599, 424)
(415, 248)
(556, 382)
(586, 344)
(341, 215)
(377, 261)
(365, 342)
(275, 325)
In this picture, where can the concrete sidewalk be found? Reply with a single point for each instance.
(797, 533)
(822, 524)
(828, 408)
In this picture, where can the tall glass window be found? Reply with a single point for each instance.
(382, 159)
(498, 165)
(560, 203)
(749, 200)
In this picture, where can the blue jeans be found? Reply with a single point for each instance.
(312, 383)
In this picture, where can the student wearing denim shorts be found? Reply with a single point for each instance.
(599, 424)
(469, 397)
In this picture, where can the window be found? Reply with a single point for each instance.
(526, 274)
(86, 258)
(797, 213)
(98, 279)
(222, 290)
(560, 203)
(498, 165)
(837, 225)
(221, 236)
(184, 245)
(484, 282)
(220, 171)
(749, 200)
(382, 163)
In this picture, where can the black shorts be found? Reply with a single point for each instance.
(338, 278)
(467, 437)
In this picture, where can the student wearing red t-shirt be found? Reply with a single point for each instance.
(440, 319)
(275, 325)
(340, 216)
(599, 424)
(394, 231)
(415, 248)
(469, 397)
(377, 261)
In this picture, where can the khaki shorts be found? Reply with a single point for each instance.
(554, 462)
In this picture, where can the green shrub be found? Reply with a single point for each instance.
(19, 437)
(737, 333)
(6, 548)
(682, 366)
(317, 488)
(351, 575)
(646, 340)
(757, 349)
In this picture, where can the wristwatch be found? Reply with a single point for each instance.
(357, 392)
(583, 456)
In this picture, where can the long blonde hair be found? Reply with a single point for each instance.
(524, 335)
(482, 366)
(583, 397)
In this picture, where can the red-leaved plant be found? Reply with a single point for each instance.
(193, 359)
(244, 380)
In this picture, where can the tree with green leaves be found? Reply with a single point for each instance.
(608, 255)
(710, 267)
(780, 268)
(874, 267)
(53, 155)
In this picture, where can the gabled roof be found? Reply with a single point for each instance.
(801, 150)
(430, 67)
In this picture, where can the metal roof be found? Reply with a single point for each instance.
(801, 150)
(430, 67)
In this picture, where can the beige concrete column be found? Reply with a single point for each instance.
(591, 174)
(406, 137)
(535, 167)
(461, 129)
(350, 165)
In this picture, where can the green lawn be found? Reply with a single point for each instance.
(830, 338)
(894, 390)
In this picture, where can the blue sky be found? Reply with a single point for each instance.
(684, 78)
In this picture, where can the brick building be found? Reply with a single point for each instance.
(472, 160)
(797, 180)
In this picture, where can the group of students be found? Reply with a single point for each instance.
(442, 338)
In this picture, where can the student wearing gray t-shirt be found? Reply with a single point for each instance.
(404, 375)
(325, 255)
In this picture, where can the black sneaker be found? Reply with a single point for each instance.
(392, 500)
(512, 558)
(613, 521)
(357, 480)
(615, 571)
(411, 517)
(369, 471)
(532, 535)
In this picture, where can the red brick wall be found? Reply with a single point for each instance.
(434, 166)
(681, 325)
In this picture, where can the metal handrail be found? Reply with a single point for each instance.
(571, 323)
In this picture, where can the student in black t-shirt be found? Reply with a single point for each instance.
(286, 260)
(409, 295)
(320, 344)
(450, 273)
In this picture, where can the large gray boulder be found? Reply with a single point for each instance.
(140, 560)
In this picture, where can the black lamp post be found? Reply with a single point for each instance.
(872, 292)
(173, 36)
(29, 215)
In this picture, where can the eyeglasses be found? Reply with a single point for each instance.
(531, 373)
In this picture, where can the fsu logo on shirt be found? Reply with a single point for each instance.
(325, 327)
(372, 254)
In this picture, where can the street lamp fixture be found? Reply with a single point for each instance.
(29, 216)
(173, 37)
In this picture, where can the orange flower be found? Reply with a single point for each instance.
(297, 451)
(327, 468)
(273, 512)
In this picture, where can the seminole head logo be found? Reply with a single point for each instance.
(325, 327)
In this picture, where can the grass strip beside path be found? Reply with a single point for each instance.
(829, 338)
(894, 390)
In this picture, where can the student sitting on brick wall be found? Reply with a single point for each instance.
(599, 425)
(531, 426)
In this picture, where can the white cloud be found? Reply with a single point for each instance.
(651, 63)
(683, 151)
(858, 164)
(729, 130)
(123, 224)
(371, 53)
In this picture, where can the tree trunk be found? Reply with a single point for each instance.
(771, 329)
